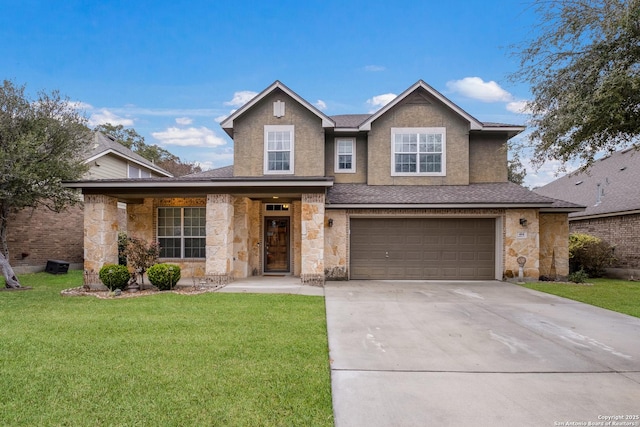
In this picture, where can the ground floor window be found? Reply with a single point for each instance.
(181, 232)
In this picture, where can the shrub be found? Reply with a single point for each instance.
(141, 255)
(579, 276)
(114, 276)
(590, 254)
(164, 276)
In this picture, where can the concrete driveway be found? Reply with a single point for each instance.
(477, 354)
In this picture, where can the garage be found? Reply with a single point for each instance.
(423, 248)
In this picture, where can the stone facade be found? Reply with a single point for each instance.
(100, 232)
(522, 241)
(554, 246)
(312, 234)
(219, 241)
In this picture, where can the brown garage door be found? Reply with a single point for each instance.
(420, 248)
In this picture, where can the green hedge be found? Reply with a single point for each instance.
(164, 276)
(114, 276)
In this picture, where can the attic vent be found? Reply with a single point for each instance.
(278, 108)
(579, 182)
(623, 168)
(111, 137)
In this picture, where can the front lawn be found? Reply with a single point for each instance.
(212, 359)
(622, 296)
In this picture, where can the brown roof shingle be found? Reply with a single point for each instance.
(618, 176)
(506, 193)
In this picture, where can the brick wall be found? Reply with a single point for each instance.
(622, 232)
(38, 235)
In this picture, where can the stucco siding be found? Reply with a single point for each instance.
(487, 158)
(360, 175)
(415, 112)
(248, 136)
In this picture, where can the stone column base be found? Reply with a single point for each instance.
(312, 279)
(218, 279)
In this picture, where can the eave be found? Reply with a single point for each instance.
(227, 124)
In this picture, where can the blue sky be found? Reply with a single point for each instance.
(172, 70)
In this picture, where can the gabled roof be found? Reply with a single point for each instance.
(475, 124)
(611, 186)
(106, 144)
(227, 124)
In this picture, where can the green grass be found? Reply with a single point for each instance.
(622, 296)
(173, 360)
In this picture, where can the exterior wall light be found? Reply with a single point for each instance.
(523, 222)
(330, 222)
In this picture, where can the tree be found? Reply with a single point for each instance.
(516, 171)
(131, 139)
(41, 142)
(584, 72)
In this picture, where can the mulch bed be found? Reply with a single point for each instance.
(186, 290)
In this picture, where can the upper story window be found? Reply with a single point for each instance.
(278, 149)
(136, 172)
(418, 151)
(345, 161)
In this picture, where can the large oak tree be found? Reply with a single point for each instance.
(583, 66)
(42, 140)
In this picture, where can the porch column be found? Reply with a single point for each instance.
(100, 234)
(312, 224)
(219, 240)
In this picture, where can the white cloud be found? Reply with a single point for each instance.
(240, 98)
(476, 88)
(105, 116)
(547, 172)
(380, 101)
(79, 105)
(374, 68)
(519, 107)
(190, 137)
(320, 104)
(184, 120)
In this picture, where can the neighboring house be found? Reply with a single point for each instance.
(38, 235)
(417, 190)
(610, 190)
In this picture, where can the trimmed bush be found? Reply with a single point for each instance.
(114, 276)
(589, 253)
(579, 276)
(164, 276)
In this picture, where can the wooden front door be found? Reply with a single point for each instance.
(276, 245)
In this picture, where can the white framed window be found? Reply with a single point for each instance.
(136, 172)
(278, 149)
(182, 232)
(345, 161)
(418, 151)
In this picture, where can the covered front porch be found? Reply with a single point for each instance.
(216, 237)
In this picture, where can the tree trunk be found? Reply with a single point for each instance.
(9, 276)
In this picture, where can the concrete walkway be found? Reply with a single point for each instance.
(477, 354)
(272, 285)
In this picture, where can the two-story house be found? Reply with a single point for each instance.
(417, 190)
